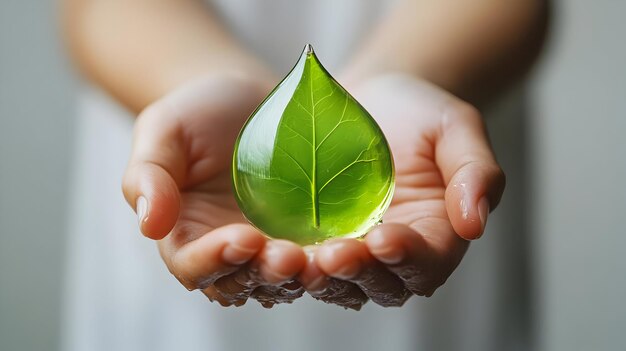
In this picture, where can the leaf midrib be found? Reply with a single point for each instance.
(315, 147)
(314, 194)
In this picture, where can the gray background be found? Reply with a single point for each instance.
(36, 108)
(577, 152)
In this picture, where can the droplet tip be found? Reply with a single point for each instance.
(308, 49)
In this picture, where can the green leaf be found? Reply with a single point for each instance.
(311, 163)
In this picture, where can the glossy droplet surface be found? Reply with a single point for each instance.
(311, 163)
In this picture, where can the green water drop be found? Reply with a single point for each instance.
(311, 163)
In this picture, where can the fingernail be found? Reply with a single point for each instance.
(237, 254)
(389, 255)
(319, 285)
(142, 209)
(292, 286)
(384, 253)
(334, 248)
(483, 212)
(464, 207)
(348, 271)
(274, 251)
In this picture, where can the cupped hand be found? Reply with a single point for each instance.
(447, 182)
(178, 181)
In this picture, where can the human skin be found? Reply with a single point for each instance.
(194, 95)
(447, 181)
(180, 164)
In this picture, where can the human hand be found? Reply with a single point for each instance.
(178, 181)
(447, 181)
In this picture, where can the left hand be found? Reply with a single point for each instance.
(178, 180)
(447, 181)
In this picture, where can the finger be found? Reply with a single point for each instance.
(342, 293)
(156, 171)
(349, 259)
(275, 265)
(329, 290)
(474, 180)
(200, 262)
(269, 295)
(235, 289)
(422, 262)
(280, 261)
(240, 284)
(213, 295)
(278, 264)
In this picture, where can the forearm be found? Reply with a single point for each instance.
(139, 50)
(473, 48)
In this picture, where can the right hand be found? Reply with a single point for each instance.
(447, 181)
(178, 181)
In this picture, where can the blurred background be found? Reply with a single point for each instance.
(578, 176)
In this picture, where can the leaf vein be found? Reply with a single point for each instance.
(324, 98)
(345, 169)
(342, 200)
(336, 126)
(302, 107)
(286, 182)
(298, 134)
(295, 161)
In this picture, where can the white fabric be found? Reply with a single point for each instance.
(120, 296)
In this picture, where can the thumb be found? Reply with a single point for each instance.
(156, 171)
(474, 180)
